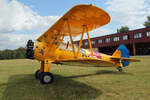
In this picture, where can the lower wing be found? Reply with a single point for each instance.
(84, 61)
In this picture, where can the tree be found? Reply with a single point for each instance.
(12, 54)
(21, 48)
(123, 29)
(147, 23)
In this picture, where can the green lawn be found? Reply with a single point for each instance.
(17, 82)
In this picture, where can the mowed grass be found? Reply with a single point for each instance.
(17, 82)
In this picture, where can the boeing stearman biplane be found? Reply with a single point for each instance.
(79, 20)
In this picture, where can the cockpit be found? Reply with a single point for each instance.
(68, 47)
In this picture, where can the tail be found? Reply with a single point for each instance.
(122, 54)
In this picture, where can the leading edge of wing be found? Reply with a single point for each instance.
(77, 16)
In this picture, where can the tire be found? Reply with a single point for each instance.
(37, 74)
(119, 69)
(46, 78)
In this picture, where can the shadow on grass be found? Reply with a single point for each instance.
(26, 87)
(100, 73)
(113, 72)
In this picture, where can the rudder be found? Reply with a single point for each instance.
(122, 52)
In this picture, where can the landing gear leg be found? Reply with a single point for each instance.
(45, 76)
(120, 69)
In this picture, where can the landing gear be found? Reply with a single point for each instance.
(37, 74)
(43, 73)
(46, 78)
(119, 69)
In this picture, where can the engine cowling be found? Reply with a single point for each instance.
(30, 49)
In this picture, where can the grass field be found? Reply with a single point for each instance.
(17, 82)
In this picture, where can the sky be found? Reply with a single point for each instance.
(21, 20)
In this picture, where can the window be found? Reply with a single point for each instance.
(86, 43)
(107, 40)
(148, 34)
(99, 41)
(115, 39)
(92, 42)
(125, 37)
(137, 35)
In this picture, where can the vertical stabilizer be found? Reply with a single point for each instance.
(122, 52)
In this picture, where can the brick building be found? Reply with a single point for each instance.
(137, 42)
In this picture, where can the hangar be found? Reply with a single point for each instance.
(137, 42)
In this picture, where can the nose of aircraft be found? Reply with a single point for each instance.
(29, 51)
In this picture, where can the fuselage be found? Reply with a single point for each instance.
(85, 53)
(62, 54)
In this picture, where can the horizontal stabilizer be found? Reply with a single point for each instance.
(126, 59)
(122, 55)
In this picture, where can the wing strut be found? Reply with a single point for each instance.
(81, 40)
(70, 35)
(89, 41)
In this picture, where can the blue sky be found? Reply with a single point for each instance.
(56, 7)
(21, 20)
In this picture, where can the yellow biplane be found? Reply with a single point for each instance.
(79, 20)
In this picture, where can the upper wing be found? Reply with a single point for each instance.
(89, 15)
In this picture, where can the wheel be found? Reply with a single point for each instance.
(37, 74)
(119, 69)
(46, 78)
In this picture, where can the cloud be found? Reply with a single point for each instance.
(101, 32)
(14, 41)
(132, 13)
(96, 33)
(16, 18)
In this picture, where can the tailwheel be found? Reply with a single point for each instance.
(37, 74)
(119, 69)
(46, 78)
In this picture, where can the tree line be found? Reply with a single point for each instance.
(12, 54)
